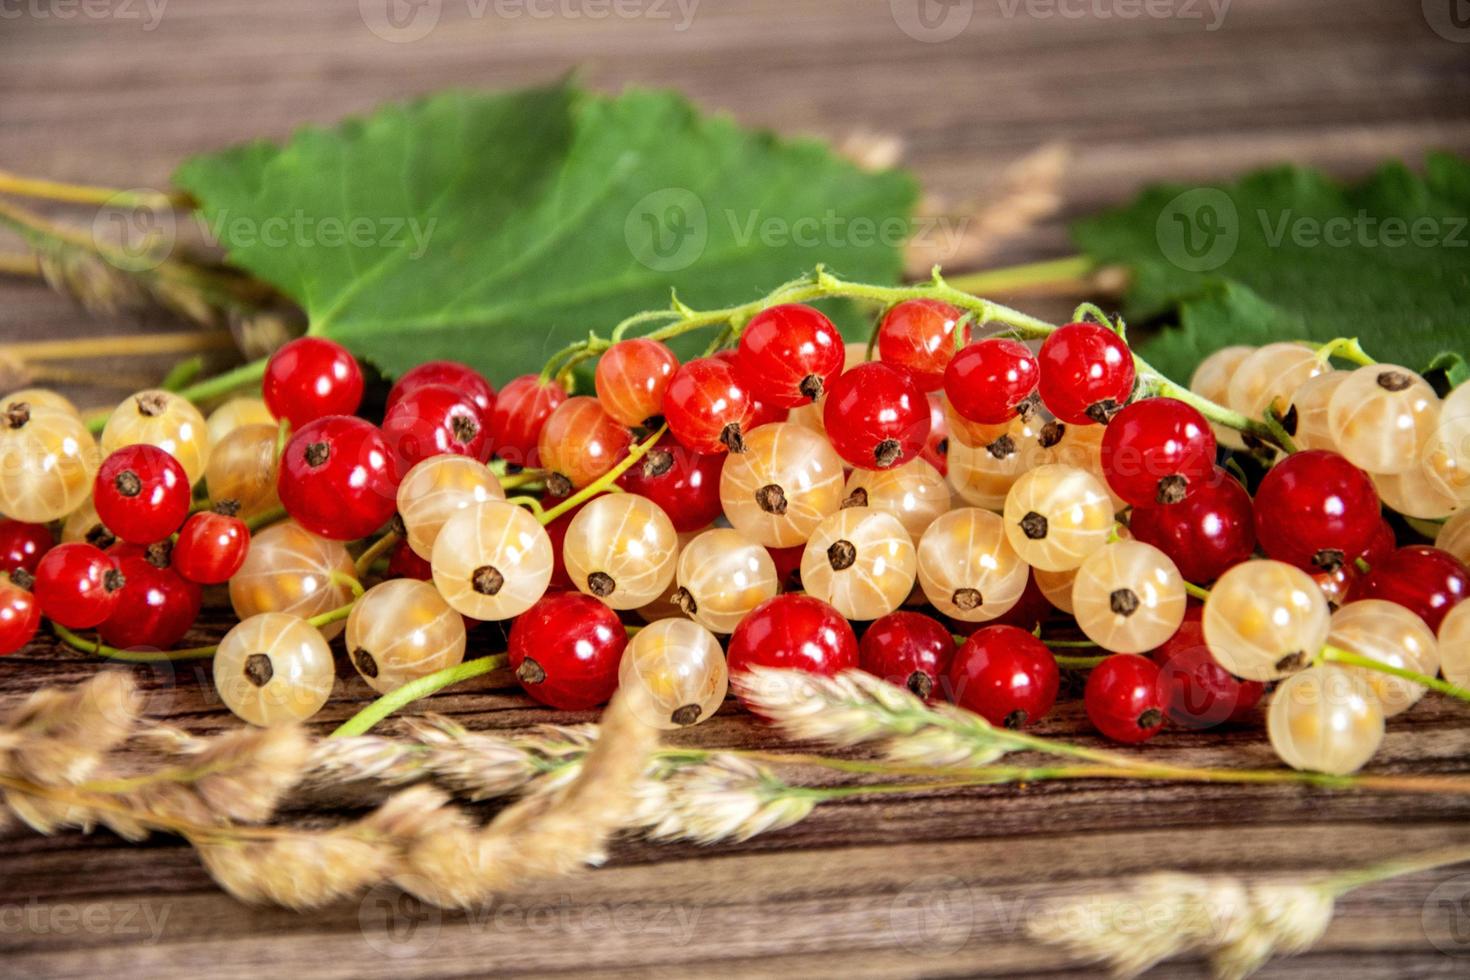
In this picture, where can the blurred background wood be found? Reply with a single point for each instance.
(923, 886)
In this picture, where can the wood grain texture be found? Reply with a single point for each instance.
(924, 885)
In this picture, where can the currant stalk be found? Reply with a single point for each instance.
(386, 705)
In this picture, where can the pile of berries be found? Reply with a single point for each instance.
(954, 496)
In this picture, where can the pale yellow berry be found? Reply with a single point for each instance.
(967, 568)
(915, 493)
(621, 548)
(861, 562)
(1454, 536)
(1310, 403)
(1269, 376)
(982, 474)
(722, 576)
(237, 413)
(436, 488)
(674, 672)
(1454, 645)
(401, 630)
(1390, 634)
(1265, 620)
(290, 570)
(273, 669)
(243, 468)
(1055, 516)
(778, 490)
(40, 398)
(1325, 719)
(1445, 460)
(163, 419)
(1128, 597)
(492, 561)
(48, 461)
(1212, 380)
(1381, 416)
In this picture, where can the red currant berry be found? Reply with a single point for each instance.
(1424, 580)
(404, 562)
(1086, 373)
(579, 443)
(631, 379)
(1122, 698)
(993, 381)
(156, 606)
(435, 420)
(565, 651)
(1383, 543)
(141, 494)
(557, 532)
(1157, 451)
(1005, 675)
(1206, 535)
(876, 416)
(20, 616)
(789, 355)
(761, 413)
(339, 478)
(1029, 612)
(918, 336)
(793, 632)
(1195, 690)
(211, 548)
(936, 447)
(461, 377)
(310, 378)
(907, 649)
(1315, 510)
(23, 545)
(788, 566)
(685, 485)
(707, 406)
(521, 409)
(78, 585)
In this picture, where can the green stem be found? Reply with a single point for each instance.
(1198, 591)
(1346, 348)
(375, 551)
(1079, 663)
(1048, 273)
(530, 503)
(364, 720)
(607, 481)
(101, 649)
(266, 517)
(1345, 882)
(1337, 655)
(521, 479)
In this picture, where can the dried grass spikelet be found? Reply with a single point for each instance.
(1026, 192)
(1238, 927)
(545, 835)
(246, 772)
(721, 798)
(58, 736)
(856, 708)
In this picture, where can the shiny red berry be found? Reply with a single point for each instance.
(521, 410)
(993, 381)
(918, 336)
(557, 532)
(1029, 612)
(1122, 698)
(685, 485)
(1195, 690)
(761, 413)
(404, 562)
(936, 447)
(20, 616)
(789, 355)
(435, 420)
(1086, 373)
(1317, 511)
(793, 632)
(1424, 580)
(788, 566)
(141, 494)
(1005, 675)
(1383, 543)
(908, 649)
(565, 651)
(631, 378)
(23, 545)
(876, 416)
(1208, 533)
(1156, 451)
(211, 548)
(78, 585)
(461, 377)
(310, 378)
(156, 606)
(339, 478)
(707, 406)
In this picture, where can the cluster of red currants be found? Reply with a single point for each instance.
(953, 489)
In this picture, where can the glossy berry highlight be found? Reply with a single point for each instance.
(790, 355)
(1005, 675)
(141, 493)
(1086, 373)
(310, 378)
(565, 651)
(876, 416)
(993, 381)
(339, 478)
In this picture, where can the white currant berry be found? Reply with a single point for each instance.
(1381, 416)
(1055, 516)
(621, 548)
(1270, 376)
(1265, 620)
(436, 488)
(1128, 597)
(401, 630)
(1325, 719)
(1390, 634)
(290, 570)
(1445, 460)
(675, 673)
(967, 567)
(492, 561)
(1056, 586)
(723, 575)
(861, 562)
(40, 398)
(780, 488)
(163, 419)
(1454, 536)
(984, 473)
(1212, 380)
(1310, 405)
(915, 493)
(244, 467)
(1414, 494)
(1454, 645)
(48, 461)
(273, 669)
(83, 524)
(237, 413)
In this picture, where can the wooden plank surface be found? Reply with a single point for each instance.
(935, 886)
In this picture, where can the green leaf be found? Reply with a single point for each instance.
(1288, 253)
(496, 228)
